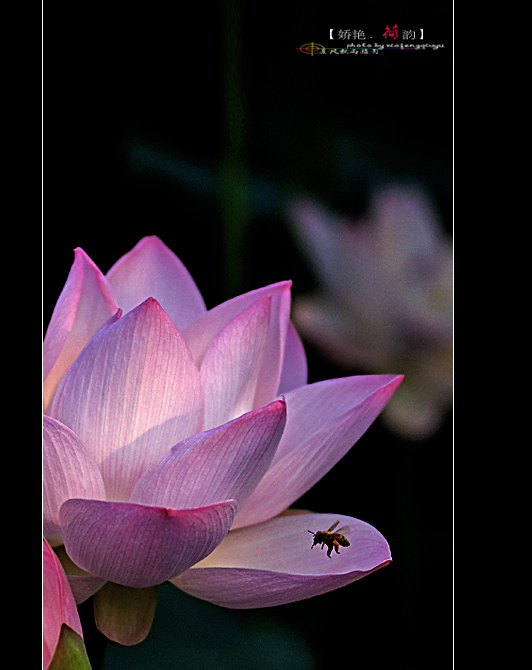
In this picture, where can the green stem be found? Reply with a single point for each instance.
(233, 180)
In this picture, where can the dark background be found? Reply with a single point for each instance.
(195, 124)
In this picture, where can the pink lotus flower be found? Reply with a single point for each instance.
(59, 607)
(175, 437)
(384, 299)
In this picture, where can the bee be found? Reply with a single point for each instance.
(332, 540)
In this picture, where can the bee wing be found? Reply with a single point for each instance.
(329, 530)
(343, 530)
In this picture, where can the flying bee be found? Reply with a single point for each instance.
(332, 540)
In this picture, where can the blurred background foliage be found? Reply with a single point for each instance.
(199, 124)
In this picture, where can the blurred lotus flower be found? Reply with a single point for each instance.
(175, 436)
(62, 634)
(385, 299)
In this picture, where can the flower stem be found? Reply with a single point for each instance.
(233, 180)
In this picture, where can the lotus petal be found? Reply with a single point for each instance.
(58, 603)
(220, 464)
(151, 270)
(202, 333)
(85, 303)
(131, 395)
(230, 371)
(69, 471)
(272, 563)
(124, 614)
(139, 545)
(294, 372)
(323, 422)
